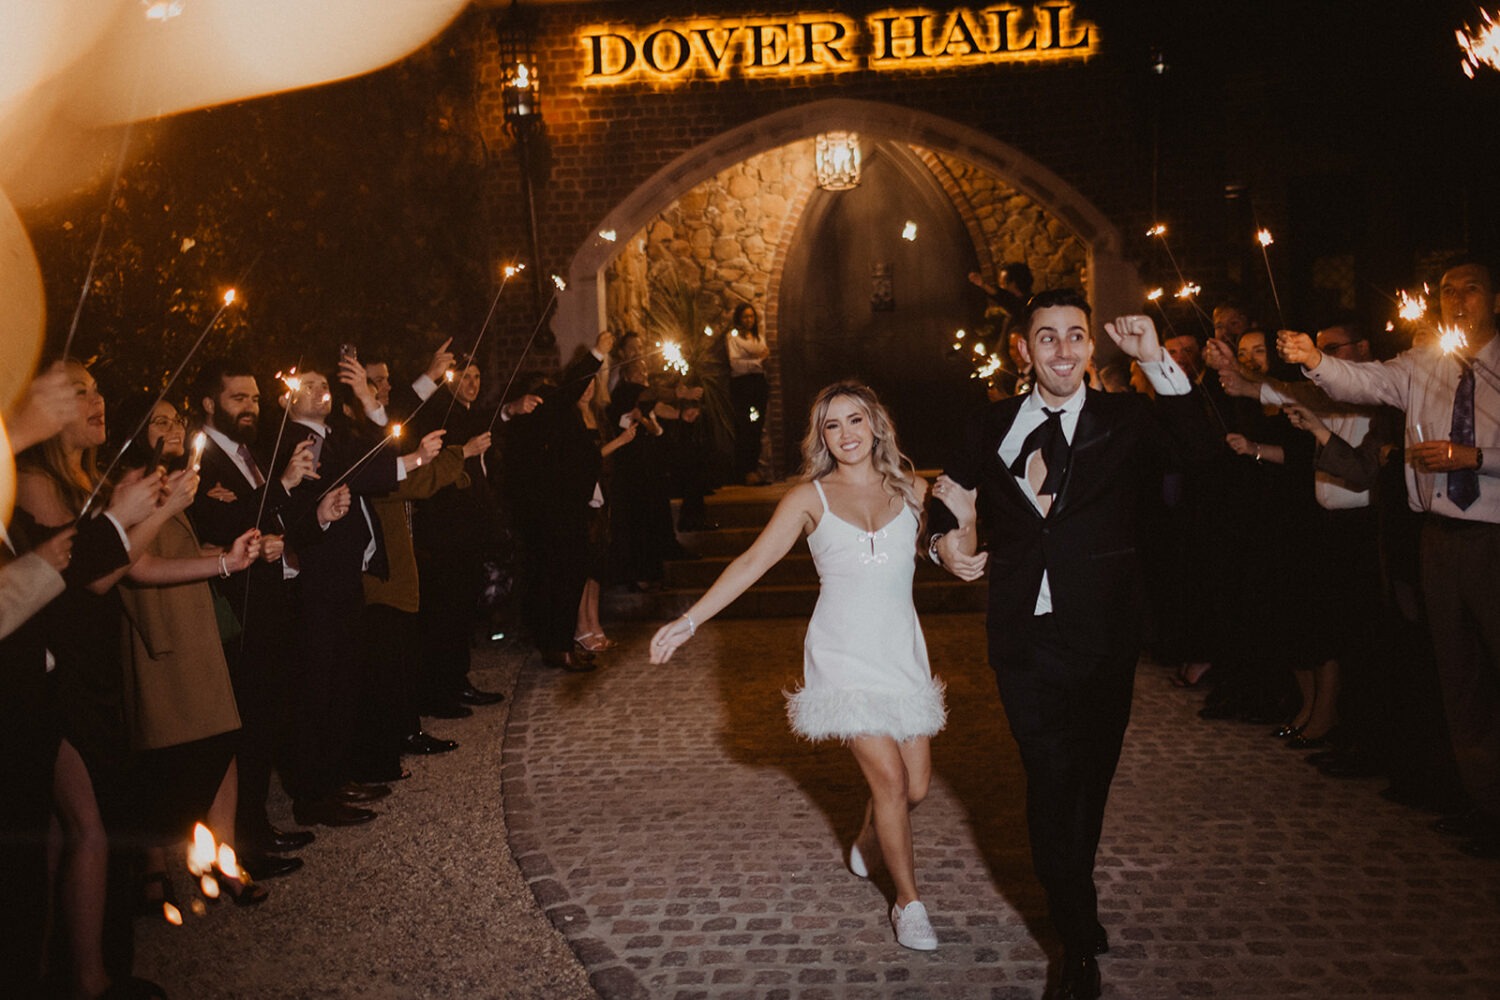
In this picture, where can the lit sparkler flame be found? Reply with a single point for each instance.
(959, 335)
(1263, 237)
(1480, 46)
(708, 331)
(561, 284)
(1157, 230)
(201, 855)
(608, 235)
(171, 914)
(1410, 307)
(200, 441)
(510, 270)
(991, 365)
(1451, 339)
(396, 431)
(229, 864)
(754, 415)
(230, 296)
(1188, 290)
(1155, 294)
(979, 348)
(448, 375)
(909, 232)
(209, 886)
(672, 359)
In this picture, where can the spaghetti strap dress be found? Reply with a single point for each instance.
(865, 668)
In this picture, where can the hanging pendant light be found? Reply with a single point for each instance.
(836, 157)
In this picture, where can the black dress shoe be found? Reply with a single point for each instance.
(1079, 979)
(425, 743)
(330, 812)
(452, 710)
(264, 866)
(471, 695)
(355, 793)
(574, 662)
(274, 841)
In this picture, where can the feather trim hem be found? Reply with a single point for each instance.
(846, 713)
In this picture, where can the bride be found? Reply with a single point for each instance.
(866, 680)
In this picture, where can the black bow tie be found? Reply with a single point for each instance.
(1048, 438)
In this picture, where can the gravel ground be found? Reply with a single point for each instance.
(423, 902)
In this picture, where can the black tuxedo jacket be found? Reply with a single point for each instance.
(1088, 543)
(330, 559)
(220, 522)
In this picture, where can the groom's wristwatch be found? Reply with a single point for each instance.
(932, 546)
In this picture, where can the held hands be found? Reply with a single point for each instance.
(334, 506)
(58, 550)
(135, 498)
(525, 404)
(352, 374)
(668, 638)
(48, 403)
(178, 491)
(442, 361)
(300, 466)
(272, 547)
(1298, 349)
(1136, 336)
(1305, 420)
(1241, 445)
(1219, 356)
(962, 502)
(243, 553)
(477, 445)
(1442, 456)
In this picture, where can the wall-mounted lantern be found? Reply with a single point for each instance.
(836, 158)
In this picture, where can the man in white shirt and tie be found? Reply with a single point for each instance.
(1058, 478)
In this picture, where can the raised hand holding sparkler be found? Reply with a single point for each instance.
(1298, 349)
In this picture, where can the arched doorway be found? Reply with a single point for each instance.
(874, 288)
(901, 138)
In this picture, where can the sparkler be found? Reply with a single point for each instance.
(1452, 340)
(1480, 46)
(1159, 231)
(608, 235)
(671, 357)
(1410, 307)
(909, 232)
(199, 441)
(1155, 296)
(1264, 238)
(1188, 291)
(228, 298)
(509, 271)
(558, 286)
(393, 435)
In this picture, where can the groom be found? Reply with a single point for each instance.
(1059, 477)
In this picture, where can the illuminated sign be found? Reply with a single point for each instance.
(888, 40)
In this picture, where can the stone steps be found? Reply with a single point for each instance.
(788, 590)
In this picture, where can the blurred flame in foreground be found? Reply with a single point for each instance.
(1480, 46)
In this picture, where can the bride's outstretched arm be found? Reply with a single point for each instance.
(795, 514)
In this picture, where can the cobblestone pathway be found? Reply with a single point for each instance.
(688, 846)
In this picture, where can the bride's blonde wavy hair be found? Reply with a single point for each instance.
(897, 473)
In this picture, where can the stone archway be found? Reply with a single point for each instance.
(1114, 285)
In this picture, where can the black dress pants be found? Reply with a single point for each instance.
(1067, 709)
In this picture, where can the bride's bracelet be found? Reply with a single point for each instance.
(692, 625)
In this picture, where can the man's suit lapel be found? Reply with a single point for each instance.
(1005, 415)
(224, 472)
(1089, 435)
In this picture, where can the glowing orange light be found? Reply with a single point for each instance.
(171, 914)
(1452, 339)
(1263, 237)
(230, 296)
(200, 857)
(561, 284)
(1159, 229)
(1155, 294)
(200, 441)
(1410, 307)
(1480, 46)
(1188, 290)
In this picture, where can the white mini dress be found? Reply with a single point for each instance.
(865, 669)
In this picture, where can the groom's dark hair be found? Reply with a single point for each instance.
(1054, 297)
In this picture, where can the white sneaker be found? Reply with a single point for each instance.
(858, 863)
(913, 929)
